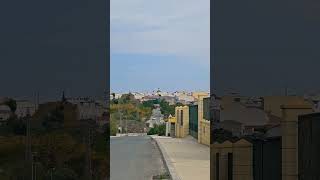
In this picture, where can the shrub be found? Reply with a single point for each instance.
(158, 129)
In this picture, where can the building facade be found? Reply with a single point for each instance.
(182, 125)
(309, 146)
(246, 159)
(204, 120)
(24, 107)
(289, 126)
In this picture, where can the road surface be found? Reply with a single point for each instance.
(134, 158)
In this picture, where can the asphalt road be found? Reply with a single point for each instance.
(134, 158)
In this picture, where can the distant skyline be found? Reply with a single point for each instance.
(160, 44)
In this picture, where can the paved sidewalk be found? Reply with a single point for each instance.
(185, 157)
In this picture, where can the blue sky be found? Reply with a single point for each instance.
(160, 44)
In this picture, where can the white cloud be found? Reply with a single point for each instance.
(161, 27)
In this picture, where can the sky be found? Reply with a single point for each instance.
(263, 47)
(160, 44)
(48, 47)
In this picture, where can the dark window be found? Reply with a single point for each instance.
(237, 99)
(230, 166)
(217, 165)
(178, 117)
(181, 116)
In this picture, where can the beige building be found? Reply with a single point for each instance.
(203, 124)
(289, 126)
(272, 104)
(232, 159)
(242, 154)
(196, 95)
(182, 124)
(182, 119)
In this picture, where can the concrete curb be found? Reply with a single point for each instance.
(167, 161)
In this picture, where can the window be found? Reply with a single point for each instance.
(181, 116)
(178, 117)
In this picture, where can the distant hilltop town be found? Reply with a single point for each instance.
(183, 97)
(87, 107)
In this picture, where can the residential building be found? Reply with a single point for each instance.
(4, 114)
(88, 108)
(150, 98)
(240, 119)
(194, 120)
(115, 95)
(199, 93)
(272, 104)
(138, 96)
(185, 98)
(285, 151)
(246, 158)
(24, 107)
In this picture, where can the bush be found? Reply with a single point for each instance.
(113, 127)
(152, 131)
(158, 129)
(162, 130)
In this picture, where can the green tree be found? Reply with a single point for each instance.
(128, 98)
(54, 120)
(167, 109)
(158, 129)
(113, 125)
(12, 104)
